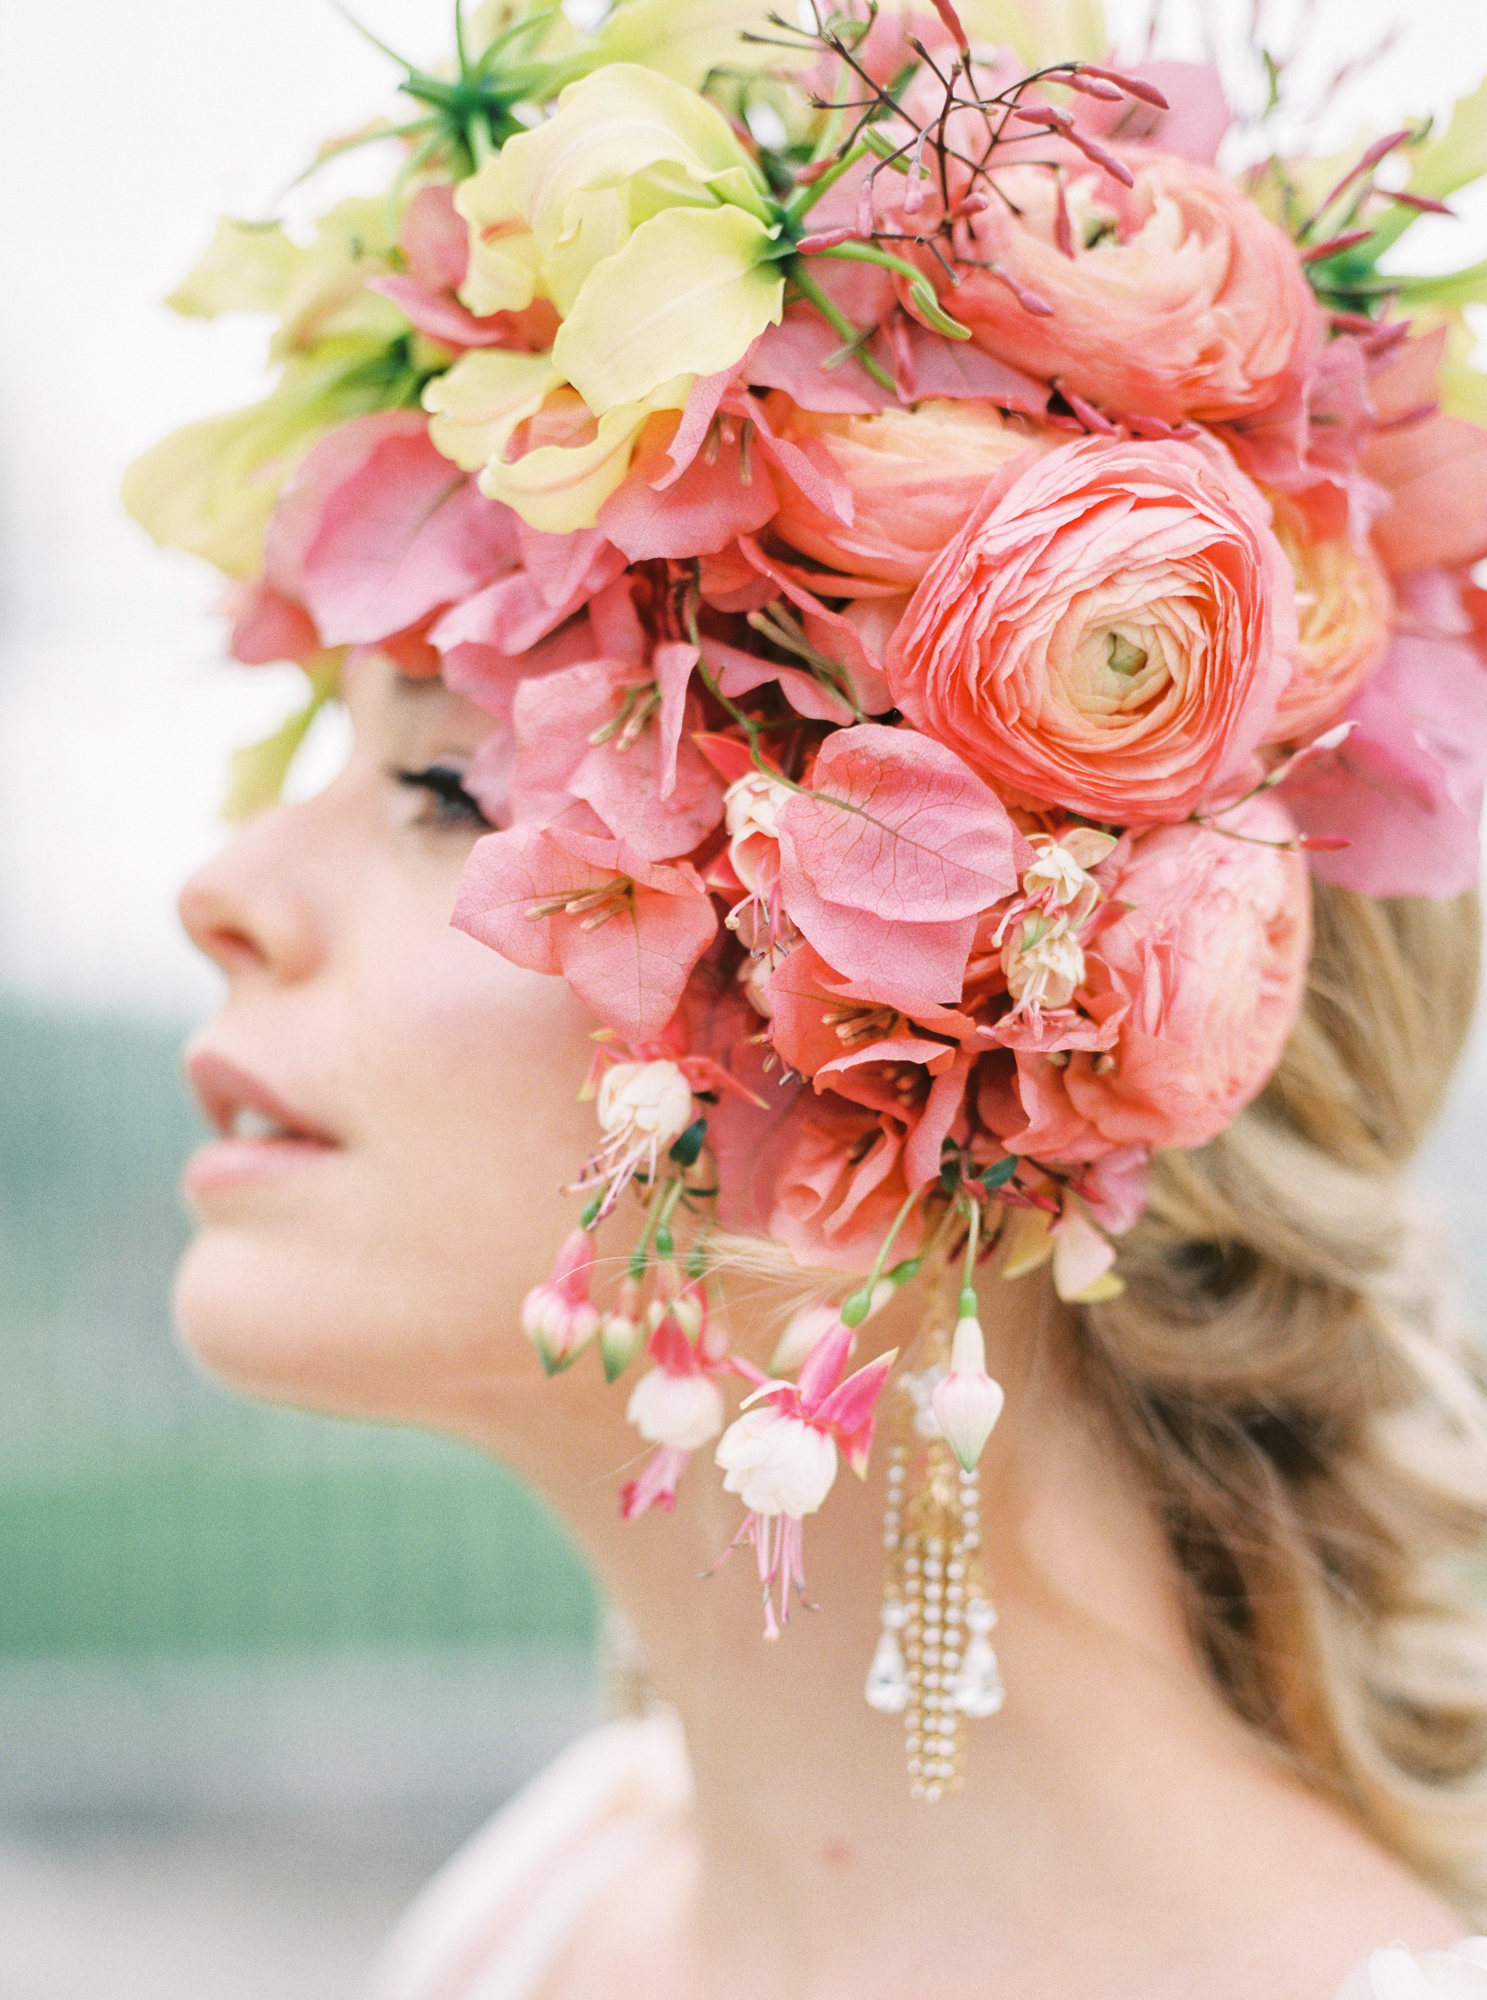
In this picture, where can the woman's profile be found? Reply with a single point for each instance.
(902, 899)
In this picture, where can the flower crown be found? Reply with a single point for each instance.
(945, 562)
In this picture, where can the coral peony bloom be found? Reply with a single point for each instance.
(915, 477)
(837, 1176)
(1187, 302)
(1204, 978)
(1109, 632)
(1345, 609)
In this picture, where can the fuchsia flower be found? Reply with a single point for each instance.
(967, 1402)
(781, 1460)
(559, 1318)
(677, 1407)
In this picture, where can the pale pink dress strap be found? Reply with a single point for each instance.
(495, 1921)
(1397, 1974)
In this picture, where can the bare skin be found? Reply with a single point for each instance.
(1121, 1838)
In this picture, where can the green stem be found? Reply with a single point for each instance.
(837, 320)
(859, 1305)
(804, 199)
(969, 1304)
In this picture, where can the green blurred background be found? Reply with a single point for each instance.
(144, 1511)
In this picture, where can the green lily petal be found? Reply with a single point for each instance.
(477, 405)
(686, 296)
(256, 773)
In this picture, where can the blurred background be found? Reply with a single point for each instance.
(259, 1672)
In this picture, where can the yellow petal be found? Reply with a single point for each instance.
(210, 487)
(504, 260)
(478, 404)
(247, 267)
(686, 296)
(560, 488)
(609, 127)
(688, 39)
(1028, 1242)
(327, 298)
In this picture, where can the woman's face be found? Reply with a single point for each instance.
(398, 1105)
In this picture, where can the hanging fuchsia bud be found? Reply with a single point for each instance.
(559, 1318)
(682, 1411)
(967, 1402)
(953, 22)
(621, 1332)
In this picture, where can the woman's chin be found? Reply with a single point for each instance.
(279, 1321)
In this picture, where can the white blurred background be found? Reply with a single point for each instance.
(195, 1799)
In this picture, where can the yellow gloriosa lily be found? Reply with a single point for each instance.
(638, 213)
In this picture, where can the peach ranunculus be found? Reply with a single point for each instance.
(1110, 632)
(915, 477)
(1345, 609)
(1201, 980)
(1180, 299)
(837, 1176)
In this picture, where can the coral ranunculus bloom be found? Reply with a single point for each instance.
(1206, 972)
(1180, 300)
(915, 476)
(1110, 632)
(1344, 607)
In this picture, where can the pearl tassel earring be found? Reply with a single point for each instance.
(934, 1663)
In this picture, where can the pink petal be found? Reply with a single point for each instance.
(849, 1407)
(377, 529)
(268, 627)
(670, 1348)
(792, 357)
(1405, 789)
(957, 369)
(435, 240)
(821, 1370)
(921, 963)
(630, 969)
(898, 826)
(701, 406)
(673, 664)
(698, 511)
(656, 1484)
(941, 1109)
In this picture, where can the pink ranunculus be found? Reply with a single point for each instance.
(1344, 608)
(915, 477)
(1187, 302)
(1110, 632)
(1205, 975)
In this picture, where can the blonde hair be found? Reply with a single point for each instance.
(1304, 1407)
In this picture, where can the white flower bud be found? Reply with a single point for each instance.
(1044, 963)
(683, 1411)
(967, 1402)
(751, 809)
(648, 1103)
(777, 1464)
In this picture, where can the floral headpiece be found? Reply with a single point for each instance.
(945, 562)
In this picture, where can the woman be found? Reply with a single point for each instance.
(1000, 713)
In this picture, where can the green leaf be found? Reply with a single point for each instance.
(999, 1173)
(256, 774)
(1452, 288)
(689, 1145)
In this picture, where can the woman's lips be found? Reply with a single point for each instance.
(260, 1134)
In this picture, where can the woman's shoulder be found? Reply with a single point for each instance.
(500, 1914)
(1396, 1974)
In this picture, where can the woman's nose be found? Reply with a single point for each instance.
(250, 909)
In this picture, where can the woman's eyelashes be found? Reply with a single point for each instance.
(449, 804)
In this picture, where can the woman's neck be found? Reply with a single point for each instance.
(1119, 1831)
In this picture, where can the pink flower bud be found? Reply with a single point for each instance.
(967, 1402)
